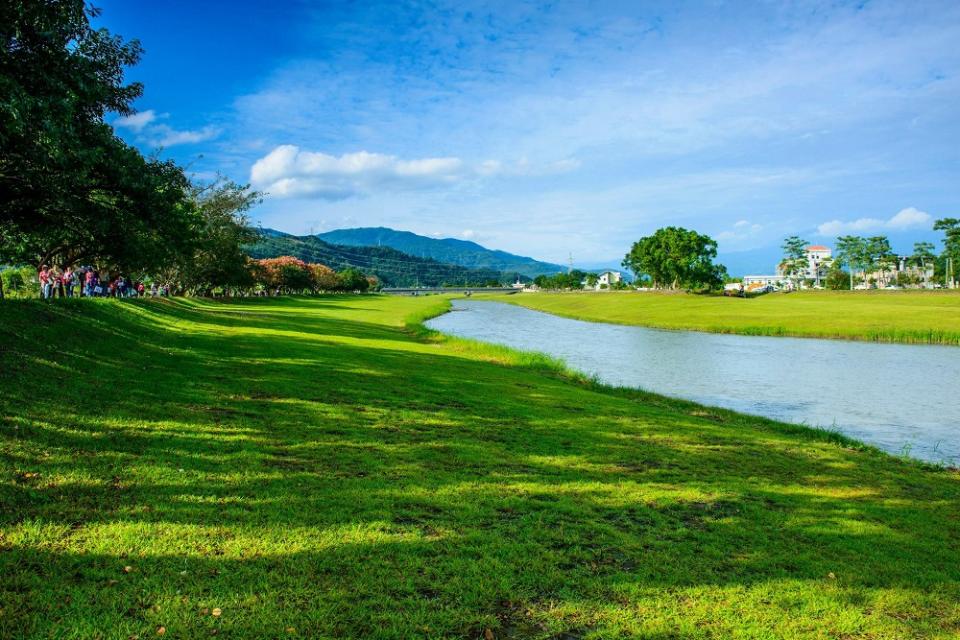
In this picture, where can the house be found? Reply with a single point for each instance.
(609, 278)
(605, 280)
(819, 259)
(757, 282)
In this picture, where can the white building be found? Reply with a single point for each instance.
(819, 259)
(754, 282)
(604, 280)
(607, 279)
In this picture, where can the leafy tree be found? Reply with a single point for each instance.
(852, 251)
(323, 278)
(286, 273)
(18, 280)
(837, 278)
(922, 256)
(216, 257)
(675, 257)
(879, 255)
(353, 280)
(795, 262)
(572, 280)
(70, 190)
(951, 244)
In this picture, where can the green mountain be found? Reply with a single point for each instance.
(393, 268)
(446, 250)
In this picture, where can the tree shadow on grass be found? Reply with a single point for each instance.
(374, 490)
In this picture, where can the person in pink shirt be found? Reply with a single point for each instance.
(45, 288)
(69, 279)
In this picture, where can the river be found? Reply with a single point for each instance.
(904, 399)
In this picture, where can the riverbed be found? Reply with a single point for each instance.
(904, 399)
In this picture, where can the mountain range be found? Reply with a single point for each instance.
(446, 250)
(392, 267)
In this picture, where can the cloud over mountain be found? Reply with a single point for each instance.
(289, 171)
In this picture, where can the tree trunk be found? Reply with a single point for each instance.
(1, 288)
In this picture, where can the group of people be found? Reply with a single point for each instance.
(87, 282)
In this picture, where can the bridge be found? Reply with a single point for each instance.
(424, 291)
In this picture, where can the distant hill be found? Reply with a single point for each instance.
(393, 268)
(446, 250)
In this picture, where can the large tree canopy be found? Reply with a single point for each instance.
(675, 257)
(71, 190)
(215, 257)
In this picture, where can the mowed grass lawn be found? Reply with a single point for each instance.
(925, 317)
(313, 468)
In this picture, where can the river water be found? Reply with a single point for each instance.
(900, 398)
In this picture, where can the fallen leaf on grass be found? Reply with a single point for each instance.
(161, 631)
(488, 634)
(127, 569)
(216, 612)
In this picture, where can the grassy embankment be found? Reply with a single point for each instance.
(922, 317)
(315, 468)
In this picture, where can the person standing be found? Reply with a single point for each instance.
(60, 285)
(44, 276)
(69, 280)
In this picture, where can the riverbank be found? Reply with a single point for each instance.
(831, 383)
(913, 317)
(327, 467)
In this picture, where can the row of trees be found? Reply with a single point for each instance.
(864, 256)
(574, 279)
(676, 258)
(73, 193)
(292, 275)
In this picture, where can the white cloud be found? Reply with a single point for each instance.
(136, 121)
(147, 129)
(742, 230)
(524, 167)
(468, 234)
(288, 171)
(163, 136)
(908, 218)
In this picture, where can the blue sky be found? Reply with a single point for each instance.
(557, 128)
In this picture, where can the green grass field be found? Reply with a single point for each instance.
(326, 468)
(924, 317)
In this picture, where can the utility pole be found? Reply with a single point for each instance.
(570, 263)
